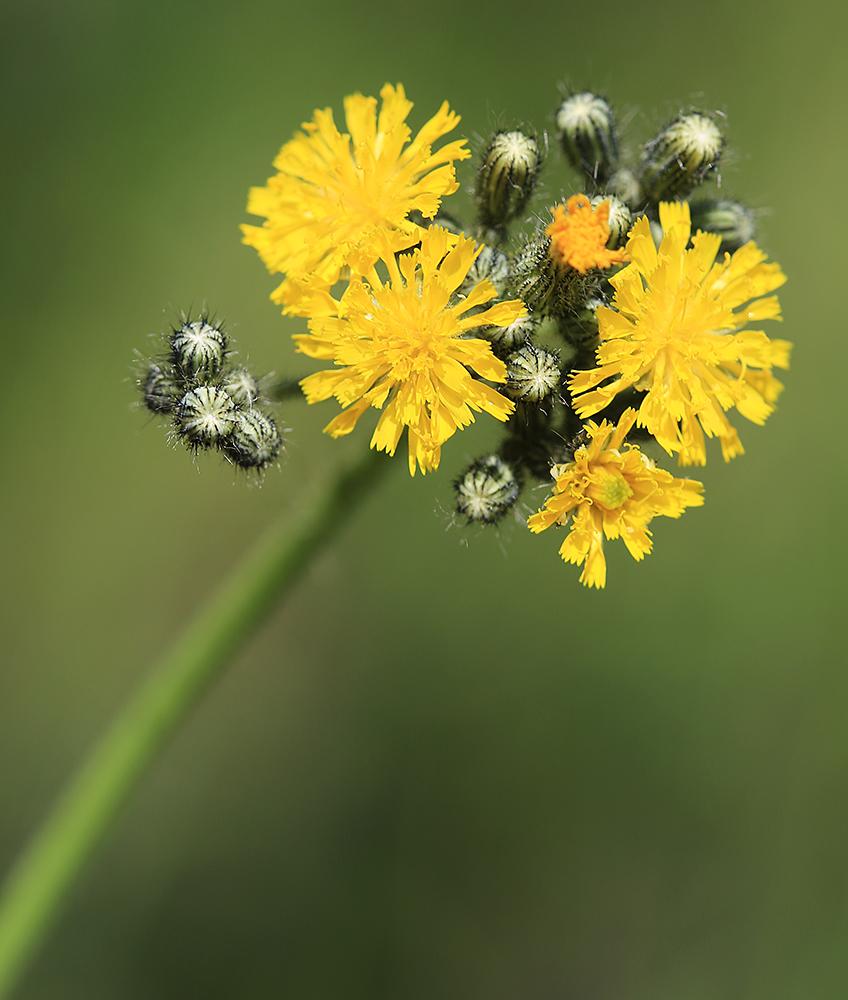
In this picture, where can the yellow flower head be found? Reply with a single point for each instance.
(677, 332)
(610, 492)
(579, 235)
(401, 347)
(334, 193)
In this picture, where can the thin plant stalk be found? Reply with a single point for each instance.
(38, 885)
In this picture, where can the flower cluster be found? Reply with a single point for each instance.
(611, 307)
(400, 335)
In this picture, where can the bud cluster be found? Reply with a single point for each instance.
(211, 401)
(563, 290)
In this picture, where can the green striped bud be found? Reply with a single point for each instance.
(532, 374)
(588, 135)
(254, 442)
(204, 417)
(508, 173)
(486, 490)
(680, 158)
(735, 223)
(546, 288)
(160, 389)
(489, 265)
(242, 387)
(620, 219)
(508, 338)
(625, 185)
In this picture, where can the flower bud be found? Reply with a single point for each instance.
(624, 184)
(619, 221)
(254, 442)
(160, 389)
(735, 223)
(487, 490)
(241, 386)
(489, 265)
(532, 374)
(204, 417)
(680, 157)
(512, 336)
(580, 329)
(543, 286)
(588, 135)
(198, 348)
(508, 173)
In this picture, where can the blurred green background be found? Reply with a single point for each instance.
(444, 768)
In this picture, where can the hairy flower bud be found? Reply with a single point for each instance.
(580, 329)
(619, 221)
(198, 348)
(486, 490)
(532, 374)
(242, 387)
(624, 184)
(159, 389)
(489, 265)
(508, 338)
(508, 173)
(544, 286)
(680, 157)
(205, 417)
(254, 442)
(587, 132)
(735, 223)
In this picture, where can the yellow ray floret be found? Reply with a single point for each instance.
(611, 491)
(334, 192)
(579, 235)
(401, 346)
(677, 332)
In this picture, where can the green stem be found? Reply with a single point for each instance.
(36, 887)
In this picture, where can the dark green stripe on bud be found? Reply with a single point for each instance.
(735, 223)
(486, 490)
(680, 157)
(508, 173)
(588, 135)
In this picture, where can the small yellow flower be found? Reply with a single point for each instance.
(400, 346)
(676, 331)
(579, 235)
(611, 493)
(334, 193)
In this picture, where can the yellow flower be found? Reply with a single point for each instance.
(613, 493)
(333, 193)
(676, 332)
(402, 346)
(579, 235)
